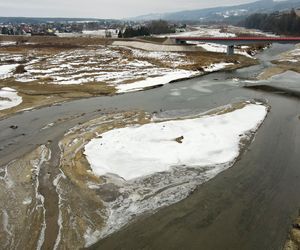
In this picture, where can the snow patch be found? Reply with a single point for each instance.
(7, 43)
(156, 81)
(9, 98)
(156, 147)
(27, 201)
(59, 191)
(157, 170)
(217, 66)
(202, 32)
(40, 199)
(91, 237)
(6, 70)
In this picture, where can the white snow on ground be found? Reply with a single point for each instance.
(203, 31)
(292, 56)
(90, 33)
(101, 33)
(217, 66)
(7, 43)
(145, 151)
(167, 77)
(6, 70)
(11, 57)
(40, 199)
(289, 60)
(102, 65)
(105, 65)
(213, 47)
(9, 98)
(138, 151)
(219, 48)
(156, 81)
(173, 58)
(295, 52)
(253, 32)
(156, 54)
(59, 191)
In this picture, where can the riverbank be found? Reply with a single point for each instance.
(47, 72)
(107, 201)
(250, 204)
(287, 61)
(293, 242)
(47, 125)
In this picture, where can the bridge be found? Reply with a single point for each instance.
(232, 41)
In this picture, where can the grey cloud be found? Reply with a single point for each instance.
(103, 8)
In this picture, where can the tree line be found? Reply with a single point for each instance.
(278, 23)
(154, 27)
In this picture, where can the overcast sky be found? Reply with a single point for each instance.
(103, 8)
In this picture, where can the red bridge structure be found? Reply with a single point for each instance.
(232, 41)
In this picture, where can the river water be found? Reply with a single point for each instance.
(249, 206)
(192, 95)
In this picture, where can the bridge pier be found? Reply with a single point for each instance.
(230, 50)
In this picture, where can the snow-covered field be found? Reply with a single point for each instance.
(103, 65)
(160, 163)
(9, 98)
(132, 71)
(175, 59)
(203, 31)
(127, 69)
(229, 31)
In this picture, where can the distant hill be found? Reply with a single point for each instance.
(229, 14)
(287, 23)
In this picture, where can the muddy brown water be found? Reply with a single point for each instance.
(249, 206)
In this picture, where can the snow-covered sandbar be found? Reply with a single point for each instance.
(137, 151)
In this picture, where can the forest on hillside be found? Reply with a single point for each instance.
(152, 28)
(278, 23)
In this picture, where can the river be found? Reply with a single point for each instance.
(249, 206)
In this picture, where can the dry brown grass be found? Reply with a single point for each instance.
(202, 59)
(279, 68)
(293, 242)
(38, 95)
(79, 199)
(48, 40)
(42, 92)
(25, 220)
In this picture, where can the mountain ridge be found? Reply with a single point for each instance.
(222, 13)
